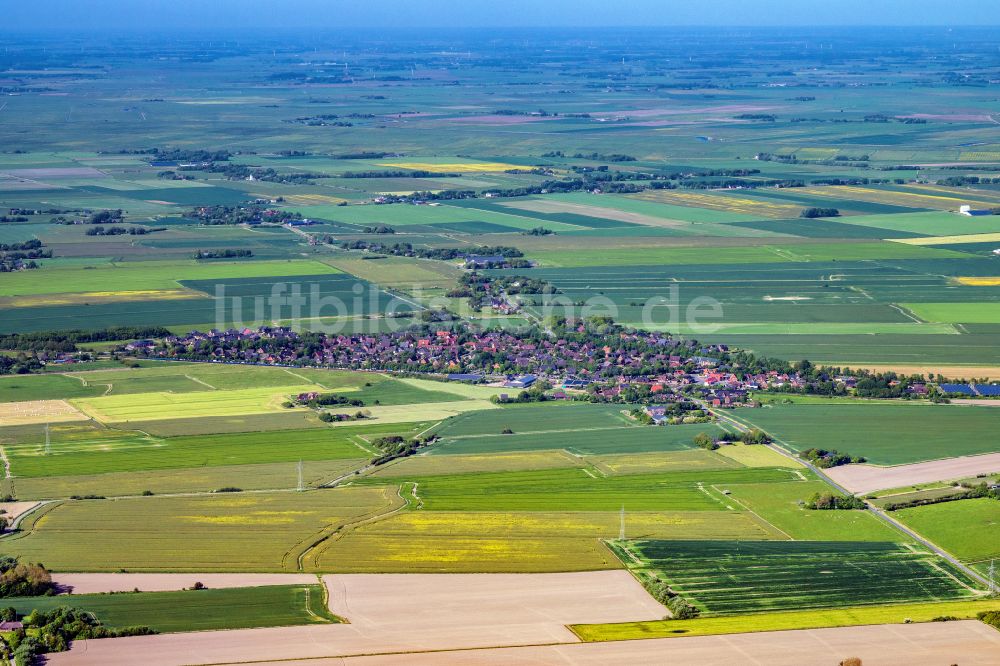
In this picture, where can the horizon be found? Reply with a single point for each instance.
(432, 14)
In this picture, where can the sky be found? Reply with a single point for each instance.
(216, 14)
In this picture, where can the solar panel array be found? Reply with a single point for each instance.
(964, 389)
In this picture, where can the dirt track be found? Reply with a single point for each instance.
(866, 478)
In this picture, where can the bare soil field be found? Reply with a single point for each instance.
(986, 371)
(97, 583)
(968, 642)
(57, 172)
(403, 613)
(31, 412)
(13, 510)
(594, 211)
(866, 478)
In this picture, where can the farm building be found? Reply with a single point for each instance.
(522, 382)
(971, 212)
(477, 261)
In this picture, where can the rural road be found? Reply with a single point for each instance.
(874, 510)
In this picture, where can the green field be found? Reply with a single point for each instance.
(263, 476)
(581, 429)
(730, 578)
(954, 313)
(197, 610)
(968, 529)
(781, 505)
(165, 405)
(76, 450)
(583, 490)
(741, 255)
(148, 275)
(886, 434)
(647, 176)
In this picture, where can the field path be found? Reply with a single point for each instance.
(6, 463)
(202, 382)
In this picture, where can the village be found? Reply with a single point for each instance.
(607, 365)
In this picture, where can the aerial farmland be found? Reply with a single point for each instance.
(609, 346)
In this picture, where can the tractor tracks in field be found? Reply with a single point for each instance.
(314, 547)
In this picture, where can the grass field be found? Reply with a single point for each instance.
(785, 621)
(161, 405)
(954, 313)
(777, 253)
(781, 503)
(731, 578)
(264, 476)
(76, 450)
(583, 490)
(886, 434)
(148, 275)
(428, 465)
(968, 529)
(197, 610)
(581, 429)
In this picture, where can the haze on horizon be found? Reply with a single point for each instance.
(242, 14)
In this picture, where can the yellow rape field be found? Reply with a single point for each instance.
(95, 297)
(730, 204)
(515, 542)
(909, 199)
(979, 281)
(311, 199)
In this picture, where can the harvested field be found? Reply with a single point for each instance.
(13, 510)
(983, 371)
(971, 643)
(950, 240)
(457, 611)
(39, 411)
(866, 478)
